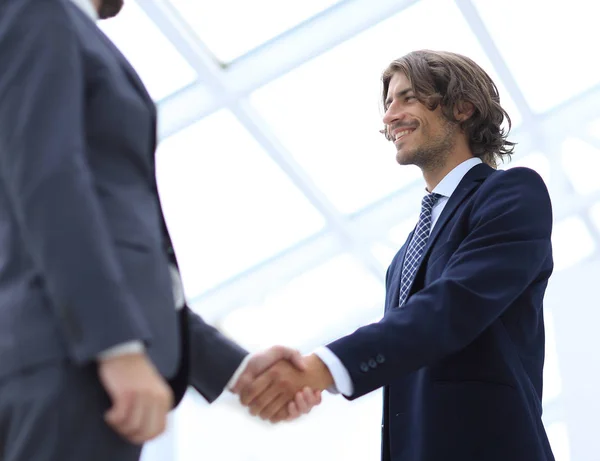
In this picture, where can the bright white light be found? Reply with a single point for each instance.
(231, 28)
(227, 204)
(595, 215)
(316, 306)
(571, 242)
(558, 435)
(577, 157)
(561, 66)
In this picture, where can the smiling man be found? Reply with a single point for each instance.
(460, 348)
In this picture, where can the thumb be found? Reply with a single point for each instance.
(294, 357)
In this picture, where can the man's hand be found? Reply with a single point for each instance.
(262, 361)
(140, 397)
(304, 401)
(269, 395)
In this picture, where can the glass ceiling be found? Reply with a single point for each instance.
(551, 63)
(336, 98)
(228, 206)
(231, 28)
(283, 199)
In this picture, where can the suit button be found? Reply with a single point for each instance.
(380, 358)
(364, 367)
(372, 363)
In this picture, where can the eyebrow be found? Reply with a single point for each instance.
(399, 94)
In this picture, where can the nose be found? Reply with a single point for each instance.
(392, 114)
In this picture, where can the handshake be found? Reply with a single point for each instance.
(279, 384)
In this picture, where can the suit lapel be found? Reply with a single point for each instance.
(473, 179)
(135, 81)
(132, 75)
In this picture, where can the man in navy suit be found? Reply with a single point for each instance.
(96, 342)
(460, 348)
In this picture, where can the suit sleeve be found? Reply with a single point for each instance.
(47, 179)
(213, 358)
(509, 241)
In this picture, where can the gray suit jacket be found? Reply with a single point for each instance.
(84, 249)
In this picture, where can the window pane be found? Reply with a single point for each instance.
(327, 112)
(160, 66)
(548, 57)
(577, 156)
(341, 294)
(227, 204)
(536, 161)
(231, 28)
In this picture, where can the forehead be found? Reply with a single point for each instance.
(398, 82)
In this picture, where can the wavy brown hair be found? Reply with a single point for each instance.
(450, 80)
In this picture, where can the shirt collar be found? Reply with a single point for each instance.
(448, 185)
(88, 8)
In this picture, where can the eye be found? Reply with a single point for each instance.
(410, 98)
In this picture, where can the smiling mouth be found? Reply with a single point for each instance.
(401, 135)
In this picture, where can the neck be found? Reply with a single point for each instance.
(435, 175)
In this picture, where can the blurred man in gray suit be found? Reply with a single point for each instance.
(96, 342)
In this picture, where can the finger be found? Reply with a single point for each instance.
(154, 424)
(118, 412)
(276, 404)
(133, 423)
(296, 359)
(243, 381)
(302, 401)
(147, 427)
(313, 398)
(287, 353)
(256, 388)
(258, 405)
(319, 397)
(292, 410)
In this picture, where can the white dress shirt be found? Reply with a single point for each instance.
(88, 7)
(445, 188)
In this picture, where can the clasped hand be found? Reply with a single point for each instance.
(281, 385)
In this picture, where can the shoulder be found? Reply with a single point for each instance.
(36, 27)
(40, 11)
(516, 193)
(514, 181)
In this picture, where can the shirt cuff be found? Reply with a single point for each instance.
(240, 369)
(130, 347)
(178, 293)
(341, 378)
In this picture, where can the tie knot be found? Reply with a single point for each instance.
(429, 201)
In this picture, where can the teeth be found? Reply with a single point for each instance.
(401, 133)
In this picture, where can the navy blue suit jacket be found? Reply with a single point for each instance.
(84, 250)
(461, 361)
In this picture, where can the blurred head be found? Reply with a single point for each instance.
(438, 102)
(109, 8)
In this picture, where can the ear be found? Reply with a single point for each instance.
(463, 110)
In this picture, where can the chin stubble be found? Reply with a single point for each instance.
(433, 155)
